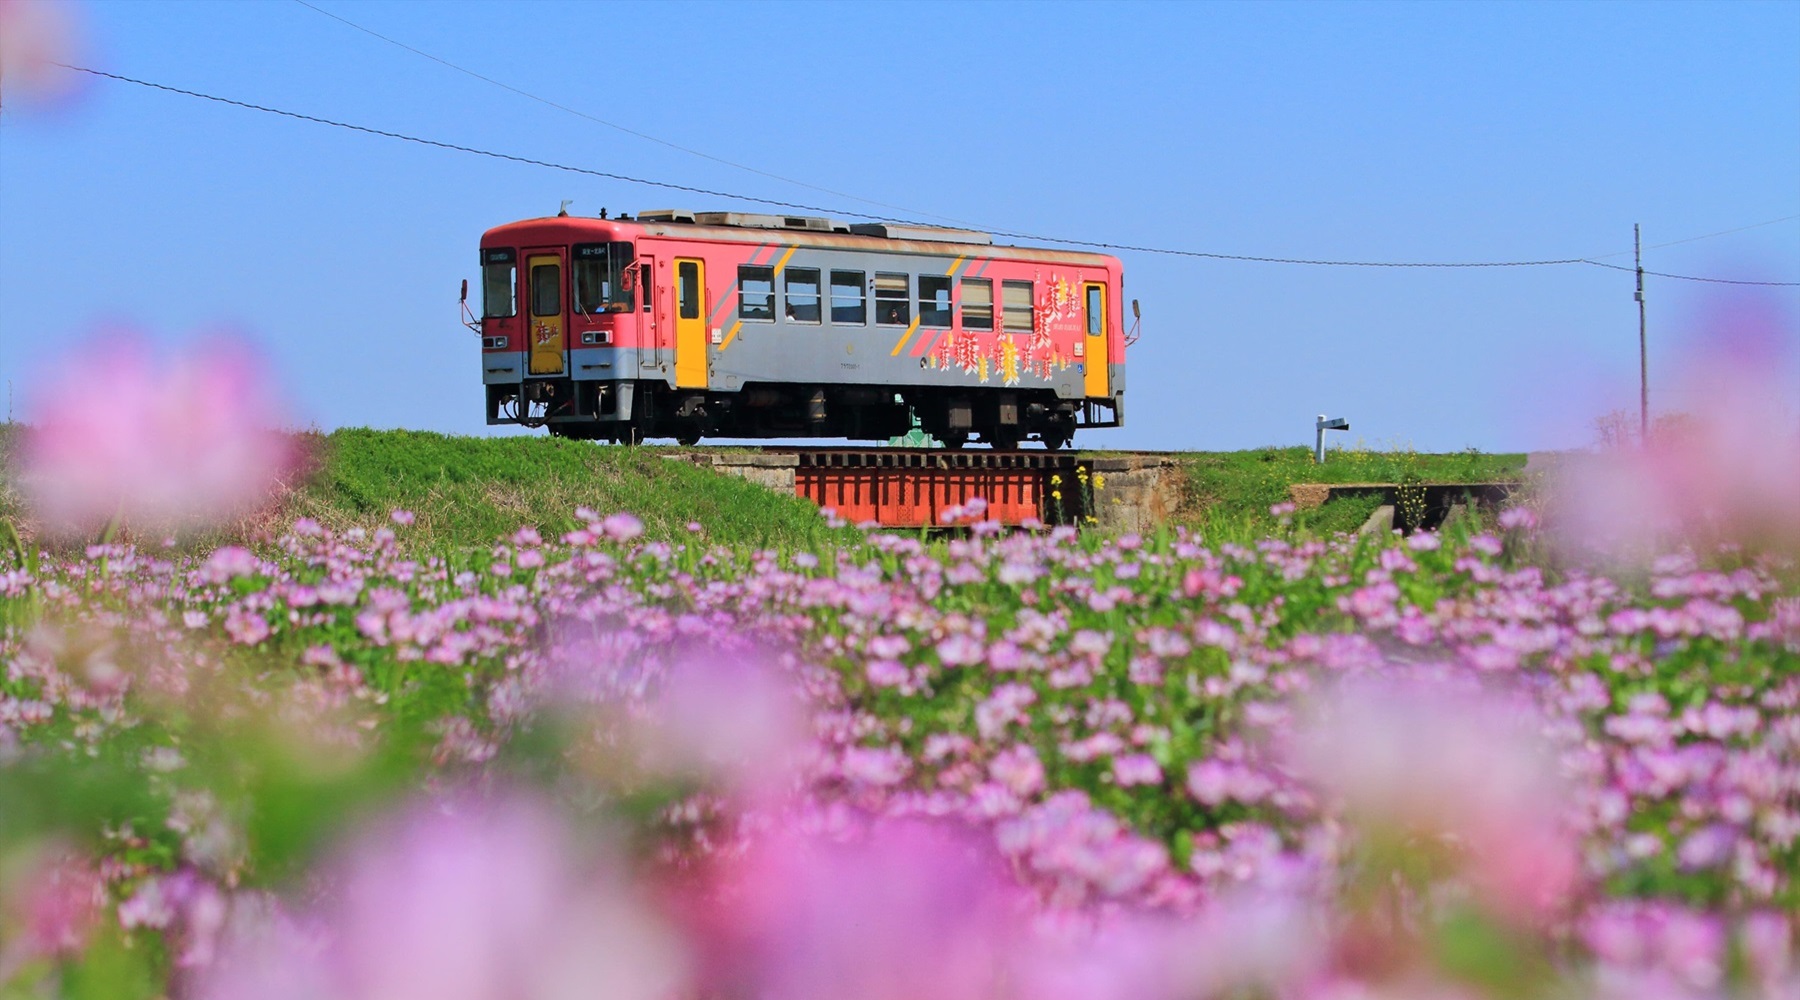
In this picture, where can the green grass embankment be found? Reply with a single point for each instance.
(471, 491)
(1239, 487)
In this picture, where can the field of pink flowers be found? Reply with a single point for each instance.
(988, 765)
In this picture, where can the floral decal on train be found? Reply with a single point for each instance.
(1056, 317)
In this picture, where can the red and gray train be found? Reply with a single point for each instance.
(723, 324)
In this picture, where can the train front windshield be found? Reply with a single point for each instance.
(600, 281)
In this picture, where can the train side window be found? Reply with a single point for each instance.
(1095, 320)
(1015, 300)
(499, 284)
(891, 306)
(849, 302)
(977, 304)
(800, 290)
(756, 294)
(546, 290)
(687, 288)
(934, 300)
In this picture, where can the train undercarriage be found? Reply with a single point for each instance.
(631, 412)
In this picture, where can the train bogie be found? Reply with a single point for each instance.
(726, 325)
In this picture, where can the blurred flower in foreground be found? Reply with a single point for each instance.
(910, 911)
(1444, 781)
(1727, 471)
(460, 900)
(48, 906)
(34, 36)
(116, 436)
(720, 714)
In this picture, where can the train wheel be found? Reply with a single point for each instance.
(688, 436)
(631, 434)
(1004, 440)
(1054, 440)
(955, 440)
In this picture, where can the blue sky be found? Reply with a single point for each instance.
(1443, 132)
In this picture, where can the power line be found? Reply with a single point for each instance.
(1706, 236)
(601, 121)
(1689, 277)
(453, 146)
(867, 201)
(668, 185)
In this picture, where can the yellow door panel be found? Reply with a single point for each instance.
(690, 324)
(543, 288)
(1095, 345)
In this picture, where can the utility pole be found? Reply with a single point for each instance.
(1637, 246)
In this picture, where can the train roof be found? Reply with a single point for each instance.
(744, 227)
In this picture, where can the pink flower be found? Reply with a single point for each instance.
(51, 908)
(1136, 769)
(34, 37)
(621, 527)
(1019, 769)
(1420, 758)
(1728, 470)
(228, 563)
(961, 650)
(464, 900)
(246, 627)
(910, 911)
(158, 446)
(727, 717)
(401, 517)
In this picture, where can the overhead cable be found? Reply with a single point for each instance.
(601, 121)
(852, 213)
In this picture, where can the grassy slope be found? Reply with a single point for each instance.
(1240, 486)
(467, 491)
(470, 491)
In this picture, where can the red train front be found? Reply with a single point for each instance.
(750, 326)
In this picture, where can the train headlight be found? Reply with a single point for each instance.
(602, 337)
(494, 343)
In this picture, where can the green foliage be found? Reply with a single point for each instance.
(1239, 487)
(471, 491)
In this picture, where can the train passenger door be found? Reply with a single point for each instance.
(1095, 345)
(543, 296)
(651, 342)
(690, 323)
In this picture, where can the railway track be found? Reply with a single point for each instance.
(934, 487)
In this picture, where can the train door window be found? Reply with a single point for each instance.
(546, 290)
(756, 294)
(891, 306)
(849, 303)
(934, 300)
(1095, 313)
(977, 304)
(499, 283)
(1015, 302)
(687, 289)
(800, 292)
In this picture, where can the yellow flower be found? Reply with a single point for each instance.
(1056, 494)
(1099, 480)
(1055, 480)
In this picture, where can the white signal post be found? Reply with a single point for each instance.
(1320, 426)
